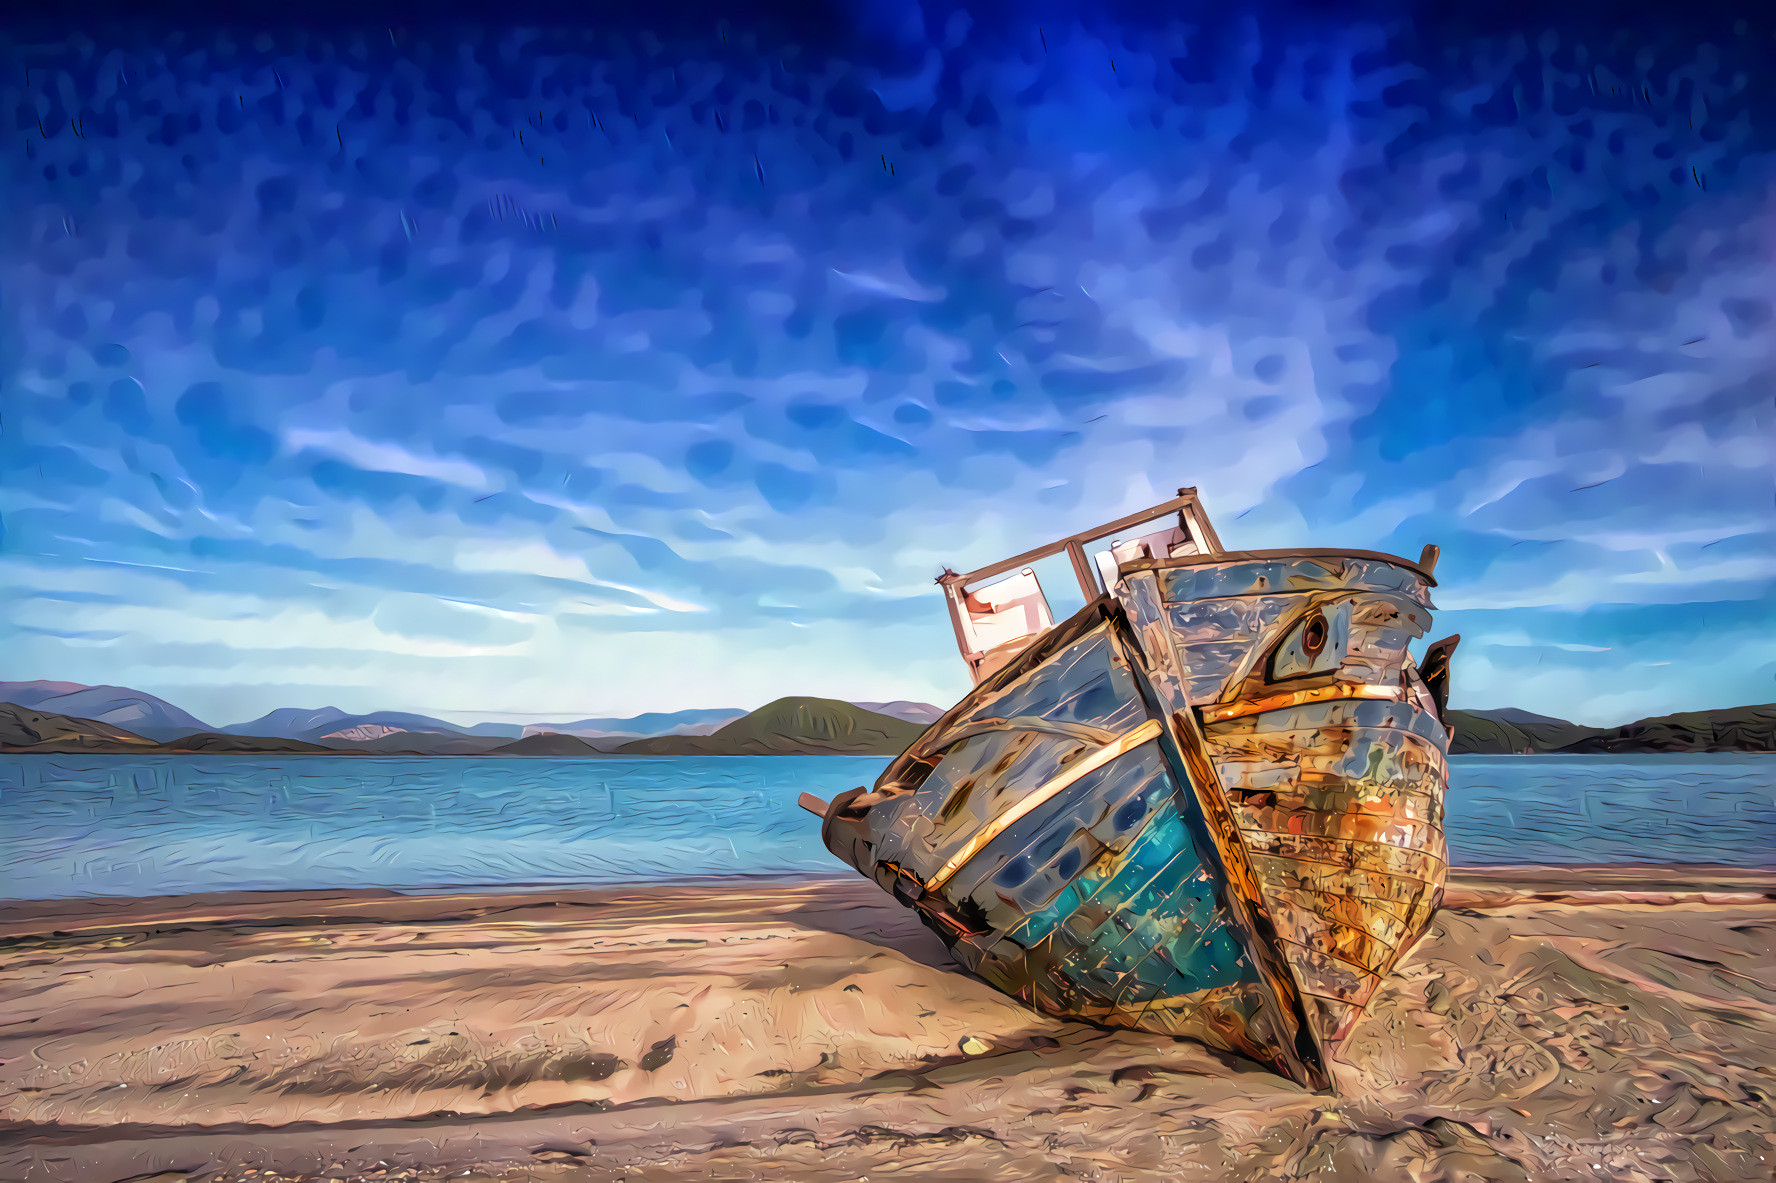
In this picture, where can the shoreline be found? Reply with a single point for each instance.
(1557, 1022)
(1481, 885)
(1471, 886)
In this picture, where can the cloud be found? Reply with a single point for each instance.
(719, 374)
(373, 456)
(425, 617)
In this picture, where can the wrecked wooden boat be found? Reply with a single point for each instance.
(1208, 804)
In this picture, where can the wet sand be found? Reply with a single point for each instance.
(1554, 1024)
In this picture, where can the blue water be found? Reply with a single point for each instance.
(1620, 809)
(121, 825)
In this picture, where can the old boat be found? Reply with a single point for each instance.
(1209, 804)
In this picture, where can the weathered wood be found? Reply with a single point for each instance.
(1082, 571)
(1208, 540)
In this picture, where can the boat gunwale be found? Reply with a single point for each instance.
(1240, 556)
(964, 732)
(1240, 708)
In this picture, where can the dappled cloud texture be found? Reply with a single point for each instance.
(458, 367)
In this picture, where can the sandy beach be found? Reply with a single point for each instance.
(1611, 1023)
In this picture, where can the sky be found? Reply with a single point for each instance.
(546, 371)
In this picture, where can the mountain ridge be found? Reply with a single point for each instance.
(22, 728)
(1509, 731)
(331, 728)
(795, 725)
(688, 722)
(322, 722)
(135, 711)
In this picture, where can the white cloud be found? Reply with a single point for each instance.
(381, 456)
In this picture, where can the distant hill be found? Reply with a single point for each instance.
(290, 722)
(548, 745)
(211, 741)
(419, 743)
(792, 726)
(1731, 729)
(494, 730)
(1509, 730)
(913, 712)
(789, 726)
(323, 723)
(49, 716)
(24, 729)
(692, 722)
(29, 694)
(1736, 729)
(139, 713)
(363, 733)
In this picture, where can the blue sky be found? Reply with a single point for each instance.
(475, 371)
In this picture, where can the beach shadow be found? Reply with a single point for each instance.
(864, 912)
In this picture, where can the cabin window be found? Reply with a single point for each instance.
(1316, 645)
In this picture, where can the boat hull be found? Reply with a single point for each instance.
(1062, 849)
(1209, 805)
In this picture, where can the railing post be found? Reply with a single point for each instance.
(1088, 579)
(1198, 522)
(953, 593)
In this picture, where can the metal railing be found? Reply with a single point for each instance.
(1192, 520)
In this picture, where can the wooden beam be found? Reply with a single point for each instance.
(953, 593)
(1082, 571)
(1210, 541)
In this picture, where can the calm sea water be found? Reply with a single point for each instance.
(120, 825)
